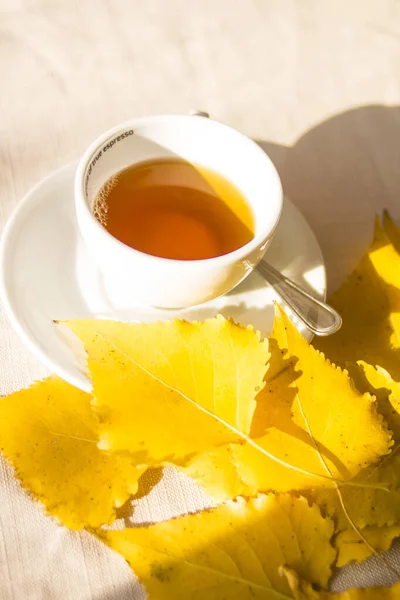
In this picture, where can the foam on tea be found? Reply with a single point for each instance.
(173, 209)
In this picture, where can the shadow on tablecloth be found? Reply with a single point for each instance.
(340, 174)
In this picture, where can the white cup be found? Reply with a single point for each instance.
(165, 282)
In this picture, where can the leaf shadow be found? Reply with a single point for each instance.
(381, 394)
(125, 512)
(340, 173)
(146, 483)
(273, 410)
(274, 406)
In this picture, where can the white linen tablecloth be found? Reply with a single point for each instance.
(316, 82)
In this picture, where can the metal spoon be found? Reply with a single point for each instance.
(318, 316)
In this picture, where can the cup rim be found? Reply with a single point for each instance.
(235, 255)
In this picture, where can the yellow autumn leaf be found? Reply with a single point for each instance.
(351, 548)
(320, 406)
(369, 303)
(166, 391)
(49, 434)
(307, 410)
(233, 551)
(368, 507)
(303, 590)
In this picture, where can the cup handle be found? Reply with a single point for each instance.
(199, 113)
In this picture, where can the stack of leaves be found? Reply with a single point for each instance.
(301, 456)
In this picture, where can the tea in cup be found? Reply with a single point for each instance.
(176, 209)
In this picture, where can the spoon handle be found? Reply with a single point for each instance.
(318, 316)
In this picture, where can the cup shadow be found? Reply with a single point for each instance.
(341, 173)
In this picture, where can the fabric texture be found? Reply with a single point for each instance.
(315, 82)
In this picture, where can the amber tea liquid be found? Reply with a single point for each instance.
(173, 209)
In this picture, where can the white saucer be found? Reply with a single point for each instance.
(47, 274)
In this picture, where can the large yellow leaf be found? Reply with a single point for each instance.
(308, 409)
(319, 405)
(49, 434)
(369, 302)
(303, 590)
(164, 391)
(372, 507)
(230, 552)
